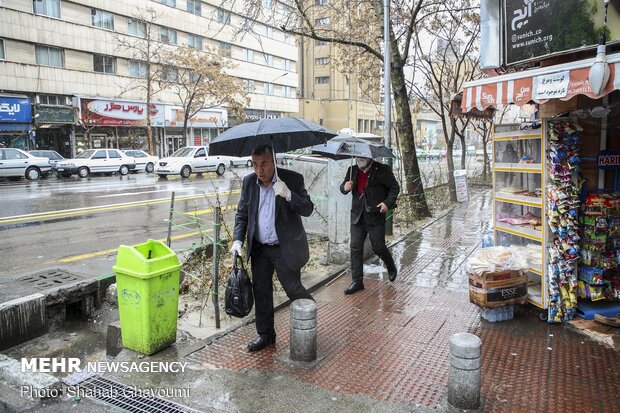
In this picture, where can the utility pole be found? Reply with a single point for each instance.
(387, 98)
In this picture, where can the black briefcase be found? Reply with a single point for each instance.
(239, 296)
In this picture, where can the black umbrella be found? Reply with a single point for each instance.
(282, 134)
(345, 147)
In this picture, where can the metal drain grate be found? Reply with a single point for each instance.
(50, 278)
(128, 398)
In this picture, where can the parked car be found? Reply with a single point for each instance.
(53, 156)
(240, 161)
(144, 161)
(191, 159)
(15, 163)
(93, 161)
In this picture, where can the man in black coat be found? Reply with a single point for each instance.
(374, 190)
(269, 217)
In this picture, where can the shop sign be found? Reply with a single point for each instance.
(207, 118)
(15, 109)
(252, 115)
(608, 160)
(54, 114)
(530, 36)
(460, 181)
(104, 112)
(551, 86)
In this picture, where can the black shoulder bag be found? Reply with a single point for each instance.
(239, 297)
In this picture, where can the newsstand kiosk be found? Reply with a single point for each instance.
(556, 185)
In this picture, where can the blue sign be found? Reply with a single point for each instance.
(15, 110)
(608, 160)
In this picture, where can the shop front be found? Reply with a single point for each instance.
(54, 128)
(116, 123)
(202, 127)
(15, 122)
(556, 184)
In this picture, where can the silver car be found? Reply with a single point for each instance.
(15, 163)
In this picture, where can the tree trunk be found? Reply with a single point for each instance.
(404, 126)
(463, 151)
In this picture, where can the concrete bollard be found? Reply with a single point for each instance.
(464, 374)
(303, 330)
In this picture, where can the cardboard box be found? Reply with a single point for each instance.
(498, 293)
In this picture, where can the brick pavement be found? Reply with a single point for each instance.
(390, 341)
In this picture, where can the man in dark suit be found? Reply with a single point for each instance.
(374, 190)
(269, 216)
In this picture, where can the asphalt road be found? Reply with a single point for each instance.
(58, 220)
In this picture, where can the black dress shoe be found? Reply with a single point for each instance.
(262, 341)
(392, 275)
(354, 287)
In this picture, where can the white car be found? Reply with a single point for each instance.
(144, 161)
(191, 159)
(15, 163)
(240, 161)
(93, 161)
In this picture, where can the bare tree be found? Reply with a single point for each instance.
(357, 25)
(202, 81)
(442, 65)
(146, 53)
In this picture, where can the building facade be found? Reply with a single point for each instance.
(66, 61)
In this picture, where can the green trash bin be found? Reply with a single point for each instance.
(147, 280)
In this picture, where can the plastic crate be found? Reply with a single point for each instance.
(498, 314)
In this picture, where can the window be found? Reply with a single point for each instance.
(248, 85)
(137, 68)
(321, 61)
(104, 64)
(102, 19)
(248, 55)
(194, 6)
(323, 21)
(194, 77)
(49, 56)
(321, 2)
(113, 154)
(287, 91)
(49, 8)
(269, 32)
(136, 27)
(167, 35)
(52, 100)
(194, 41)
(171, 3)
(267, 4)
(200, 153)
(99, 155)
(225, 48)
(286, 64)
(2, 52)
(223, 16)
(13, 154)
(169, 74)
(320, 42)
(321, 80)
(268, 59)
(268, 88)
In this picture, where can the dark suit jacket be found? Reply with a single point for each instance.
(381, 187)
(290, 229)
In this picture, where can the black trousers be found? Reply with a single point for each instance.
(265, 259)
(376, 233)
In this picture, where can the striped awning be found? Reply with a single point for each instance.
(531, 85)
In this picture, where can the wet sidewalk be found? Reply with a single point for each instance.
(389, 342)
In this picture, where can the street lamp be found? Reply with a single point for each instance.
(267, 91)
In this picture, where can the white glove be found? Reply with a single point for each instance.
(282, 190)
(236, 249)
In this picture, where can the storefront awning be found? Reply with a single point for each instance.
(538, 85)
(15, 127)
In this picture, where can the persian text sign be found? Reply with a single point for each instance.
(552, 86)
(103, 112)
(15, 109)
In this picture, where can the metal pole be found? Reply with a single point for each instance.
(216, 268)
(169, 240)
(387, 97)
(265, 94)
